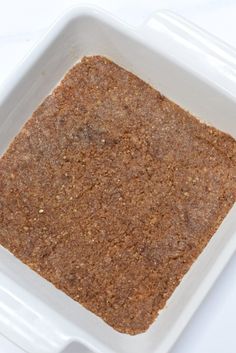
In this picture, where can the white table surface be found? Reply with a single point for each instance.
(22, 23)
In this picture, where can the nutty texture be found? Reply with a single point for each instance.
(110, 191)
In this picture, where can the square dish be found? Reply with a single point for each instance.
(75, 28)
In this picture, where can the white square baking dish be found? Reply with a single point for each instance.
(187, 65)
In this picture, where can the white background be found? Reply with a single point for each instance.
(22, 23)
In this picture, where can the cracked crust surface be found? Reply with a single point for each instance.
(110, 191)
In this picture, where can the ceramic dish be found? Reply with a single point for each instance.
(187, 65)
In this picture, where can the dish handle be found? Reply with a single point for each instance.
(33, 326)
(171, 34)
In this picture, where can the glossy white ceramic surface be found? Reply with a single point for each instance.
(192, 68)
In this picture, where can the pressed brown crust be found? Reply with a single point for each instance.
(110, 191)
